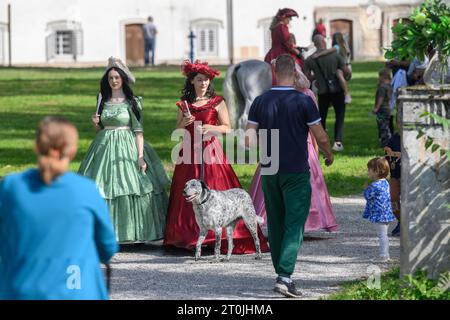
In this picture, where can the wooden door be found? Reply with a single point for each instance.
(134, 38)
(346, 28)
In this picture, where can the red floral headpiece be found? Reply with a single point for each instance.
(286, 12)
(187, 68)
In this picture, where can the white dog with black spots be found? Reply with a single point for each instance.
(215, 210)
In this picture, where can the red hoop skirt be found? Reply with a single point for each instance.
(181, 228)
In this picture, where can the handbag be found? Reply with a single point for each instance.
(333, 85)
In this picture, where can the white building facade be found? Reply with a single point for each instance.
(87, 32)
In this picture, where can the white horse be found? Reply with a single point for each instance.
(243, 82)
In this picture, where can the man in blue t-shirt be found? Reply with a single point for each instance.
(287, 192)
(150, 32)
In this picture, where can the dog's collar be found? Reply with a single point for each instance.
(207, 197)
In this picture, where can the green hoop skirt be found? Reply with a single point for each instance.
(137, 201)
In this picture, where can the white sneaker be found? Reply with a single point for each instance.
(338, 146)
(348, 98)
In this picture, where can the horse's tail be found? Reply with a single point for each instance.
(232, 93)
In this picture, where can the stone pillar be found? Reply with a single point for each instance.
(425, 183)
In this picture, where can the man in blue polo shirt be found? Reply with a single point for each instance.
(287, 193)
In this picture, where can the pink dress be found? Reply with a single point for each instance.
(321, 215)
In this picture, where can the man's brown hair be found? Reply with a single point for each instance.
(385, 73)
(285, 65)
(380, 166)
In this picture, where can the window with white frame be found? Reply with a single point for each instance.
(264, 24)
(207, 37)
(64, 40)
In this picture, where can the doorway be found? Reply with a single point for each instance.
(134, 44)
(346, 28)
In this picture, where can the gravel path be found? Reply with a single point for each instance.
(324, 261)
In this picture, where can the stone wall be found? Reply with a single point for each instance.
(425, 195)
(368, 43)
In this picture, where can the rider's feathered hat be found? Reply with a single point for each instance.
(188, 68)
(286, 12)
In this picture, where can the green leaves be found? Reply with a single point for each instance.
(445, 123)
(434, 147)
(443, 282)
(389, 55)
(429, 141)
(445, 21)
(420, 134)
(444, 153)
(428, 25)
(420, 19)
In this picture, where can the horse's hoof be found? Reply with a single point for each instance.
(258, 257)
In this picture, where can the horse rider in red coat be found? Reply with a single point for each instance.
(281, 39)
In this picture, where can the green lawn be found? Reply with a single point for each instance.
(392, 286)
(27, 95)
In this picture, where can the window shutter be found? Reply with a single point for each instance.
(211, 41)
(51, 45)
(78, 41)
(202, 41)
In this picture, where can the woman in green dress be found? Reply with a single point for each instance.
(127, 170)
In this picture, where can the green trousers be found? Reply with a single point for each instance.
(287, 198)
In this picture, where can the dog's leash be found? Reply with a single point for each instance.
(202, 166)
(187, 113)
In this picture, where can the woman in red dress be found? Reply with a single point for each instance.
(281, 39)
(202, 112)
